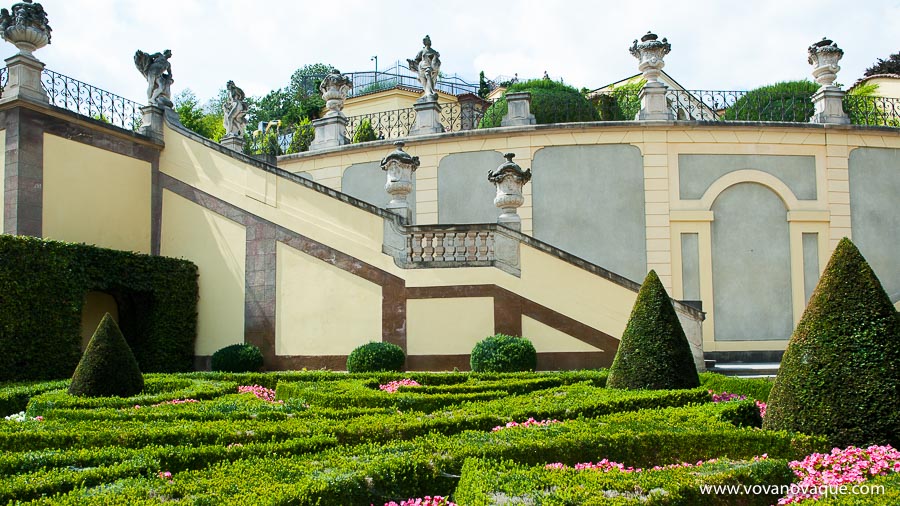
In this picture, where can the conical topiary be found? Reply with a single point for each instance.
(107, 367)
(654, 352)
(840, 374)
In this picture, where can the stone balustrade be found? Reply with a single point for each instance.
(463, 245)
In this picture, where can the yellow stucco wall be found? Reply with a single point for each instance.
(450, 326)
(95, 196)
(666, 214)
(321, 309)
(387, 100)
(2, 178)
(548, 339)
(218, 246)
(96, 305)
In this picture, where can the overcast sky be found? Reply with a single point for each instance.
(716, 45)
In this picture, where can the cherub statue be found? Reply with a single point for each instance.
(235, 110)
(158, 72)
(428, 64)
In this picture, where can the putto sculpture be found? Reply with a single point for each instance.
(158, 72)
(26, 26)
(334, 90)
(428, 64)
(235, 111)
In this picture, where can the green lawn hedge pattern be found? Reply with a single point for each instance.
(42, 289)
(336, 439)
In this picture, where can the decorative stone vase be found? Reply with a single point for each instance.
(26, 27)
(334, 90)
(509, 179)
(650, 54)
(824, 57)
(399, 166)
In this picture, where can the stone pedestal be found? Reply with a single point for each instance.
(829, 106)
(428, 118)
(467, 106)
(234, 143)
(24, 80)
(519, 110)
(152, 121)
(330, 133)
(653, 103)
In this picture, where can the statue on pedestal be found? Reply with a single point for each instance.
(158, 72)
(235, 111)
(428, 64)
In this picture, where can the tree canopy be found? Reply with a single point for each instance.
(889, 66)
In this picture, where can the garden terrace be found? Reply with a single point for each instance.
(338, 439)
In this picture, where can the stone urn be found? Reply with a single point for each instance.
(824, 57)
(650, 53)
(334, 90)
(399, 166)
(509, 179)
(26, 27)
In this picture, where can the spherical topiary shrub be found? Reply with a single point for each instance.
(654, 353)
(376, 357)
(502, 353)
(788, 101)
(551, 102)
(839, 376)
(107, 367)
(237, 358)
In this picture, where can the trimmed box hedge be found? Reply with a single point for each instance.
(42, 290)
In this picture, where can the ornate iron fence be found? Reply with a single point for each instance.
(706, 105)
(91, 101)
(385, 125)
(618, 104)
(4, 78)
(873, 111)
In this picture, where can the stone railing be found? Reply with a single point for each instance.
(455, 244)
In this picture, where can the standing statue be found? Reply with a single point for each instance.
(26, 26)
(158, 72)
(235, 109)
(428, 64)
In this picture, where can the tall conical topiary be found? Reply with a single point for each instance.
(654, 352)
(107, 367)
(840, 374)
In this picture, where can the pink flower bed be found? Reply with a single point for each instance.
(825, 472)
(725, 397)
(531, 422)
(266, 394)
(393, 386)
(605, 466)
(423, 501)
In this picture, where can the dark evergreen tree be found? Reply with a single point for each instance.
(889, 66)
(107, 367)
(840, 374)
(654, 353)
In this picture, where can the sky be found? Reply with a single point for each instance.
(716, 45)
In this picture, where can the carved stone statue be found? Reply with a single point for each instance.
(428, 64)
(824, 57)
(26, 26)
(158, 72)
(334, 90)
(235, 109)
(650, 53)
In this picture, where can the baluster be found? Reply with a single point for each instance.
(428, 247)
(416, 247)
(471, 246)
(441, 238)
(481, 243)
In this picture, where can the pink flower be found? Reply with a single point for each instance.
(531, 422)
(166, 475)
(39, 418)
(393, 386)
(266, 394)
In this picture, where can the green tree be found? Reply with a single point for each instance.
(654, 353)
(789, 101)
(551, 102)
(483, 89)
(621, 103)
(302, 136)
(364, 132)
(193, 117)
(300, 99)
(839, 376)
(889, 66)
(107, 367)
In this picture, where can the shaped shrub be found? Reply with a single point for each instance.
(551, 102)
(788, 101)
(376, 357)
(654, 352)
(839, 376)
(364, 132)
(502, 353)
(107, 368)
(237, 358)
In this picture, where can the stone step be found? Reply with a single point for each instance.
(746, 369)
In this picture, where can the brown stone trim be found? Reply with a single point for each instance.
(259, 286)
(24, 174)
(294, 362)
(155, 208)
(509, 308)
(437, 362)
(558, 361)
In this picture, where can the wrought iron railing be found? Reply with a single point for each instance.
(706, 105)
(621, 104)
(398, 75)
(4, 78)
(385, 125)
(873, 111)
(90, 101)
